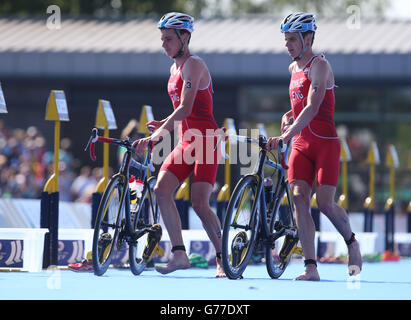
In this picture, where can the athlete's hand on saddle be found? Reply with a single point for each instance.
(142, 144)
(154, 125)
(272, 143)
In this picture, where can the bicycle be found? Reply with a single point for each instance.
(253, 217)
(115, 224)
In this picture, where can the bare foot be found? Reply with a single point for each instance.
(220, 271)
(178, 261)
(310, 274)
(354, 259)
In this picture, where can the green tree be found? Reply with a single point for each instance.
(320, 7)
(194, 7)
(92, 7)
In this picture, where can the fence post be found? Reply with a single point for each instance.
(409, 204)
(146, 116)
(283, 210)
(315, 214)
(104, 120)
(392, 163)
(373, 158)
(224, 194)
(49, 208)
(344, 158)
(409, 217)
(182, 200)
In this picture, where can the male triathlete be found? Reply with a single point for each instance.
(190, 90)
(316, 147)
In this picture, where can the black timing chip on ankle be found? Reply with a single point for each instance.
(310, 261)
(351, 240)
(175, 248)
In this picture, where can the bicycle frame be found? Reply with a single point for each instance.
(124, 171)
(277, 197)
(146, 167)
(252, 225)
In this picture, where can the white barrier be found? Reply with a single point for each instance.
(367, 241)
(33, 246)
(402, 242)
(20, 219)
(194, 240)
(85, 235)
(25, 213)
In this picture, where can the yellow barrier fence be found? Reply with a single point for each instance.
(106, 121)
(49, 216)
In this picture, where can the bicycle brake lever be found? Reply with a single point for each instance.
(93, 138)
(282, 148)
(222, 137)
(151, 129)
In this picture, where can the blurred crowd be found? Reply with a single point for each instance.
(26, 165)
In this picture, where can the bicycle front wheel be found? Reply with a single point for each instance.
(146, 215)
(108, 224)
(240, 227)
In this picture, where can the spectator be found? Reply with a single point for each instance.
(25, 165)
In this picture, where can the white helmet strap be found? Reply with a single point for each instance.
(183, 44)
(303, 50)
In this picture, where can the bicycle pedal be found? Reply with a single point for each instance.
(238, 248)
(154, 236)
(155, 229)
(298, 250)
(288, 248)
(159, 250)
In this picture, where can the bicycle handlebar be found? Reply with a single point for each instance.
(262, 142)
(124, 143)
(283, 153)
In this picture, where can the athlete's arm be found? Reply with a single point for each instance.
(192, 73)
(285, 120)
(320, 72)
(319, 76)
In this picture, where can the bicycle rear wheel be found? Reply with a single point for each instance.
(147, 214)
(240, 227)
(108, 224)
(279, 254)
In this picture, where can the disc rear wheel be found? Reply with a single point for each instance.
(146, 215)
(279, 254)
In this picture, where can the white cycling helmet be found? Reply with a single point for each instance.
(177, 20)
(299, 22)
